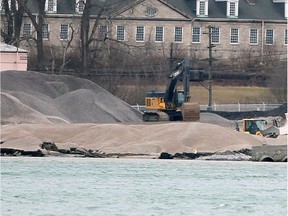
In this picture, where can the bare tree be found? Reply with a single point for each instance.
(37, 22)
(13, 21)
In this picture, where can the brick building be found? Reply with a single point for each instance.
(239, 27)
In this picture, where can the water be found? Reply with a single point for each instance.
(80, 186)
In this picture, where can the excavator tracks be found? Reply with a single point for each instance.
(155, 116)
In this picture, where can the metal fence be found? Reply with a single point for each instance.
(230, 107)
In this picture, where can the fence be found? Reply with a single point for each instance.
(230, 107)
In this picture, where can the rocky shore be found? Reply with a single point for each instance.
(48, 149)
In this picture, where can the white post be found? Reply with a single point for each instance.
(239, 107)
(264, 107)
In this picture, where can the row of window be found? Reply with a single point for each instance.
(51, 5)
(231, 8)
(234, 36)
(159, 34)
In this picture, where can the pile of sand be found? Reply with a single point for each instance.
(73, 112)
(31, 97)
(131, 138)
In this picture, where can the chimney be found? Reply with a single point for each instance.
(251, 2)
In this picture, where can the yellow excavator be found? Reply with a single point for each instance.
(172, 105)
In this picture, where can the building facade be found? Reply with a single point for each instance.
(238, 28)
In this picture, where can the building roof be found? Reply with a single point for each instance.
(8, 48)
(261, 10)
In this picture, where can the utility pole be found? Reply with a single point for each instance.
(171, 58)
(186, 79)
(210, 59)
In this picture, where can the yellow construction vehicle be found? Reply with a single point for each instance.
(260, 127)
(172, 105)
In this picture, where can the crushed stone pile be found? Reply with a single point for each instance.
(129, 138)
(73, 112)
(32, 97)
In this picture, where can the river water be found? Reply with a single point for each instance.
(86, 186)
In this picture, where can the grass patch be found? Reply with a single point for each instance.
(232, 94)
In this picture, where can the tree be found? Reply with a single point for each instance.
(38, 25)
(87, 39)
(13, 21)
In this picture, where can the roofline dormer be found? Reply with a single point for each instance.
(202, 8)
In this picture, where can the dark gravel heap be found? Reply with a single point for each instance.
(280, 111)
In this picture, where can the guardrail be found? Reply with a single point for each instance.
(229, 107)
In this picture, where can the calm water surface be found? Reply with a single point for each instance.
(78, 186)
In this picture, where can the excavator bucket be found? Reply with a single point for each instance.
(190, 112)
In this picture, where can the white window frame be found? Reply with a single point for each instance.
(120, 32)
(159, 35)
(252, 36)
(79, 6)
(9, 3)
(62, 32)
(44, 32)
(26, 33)
(234, 36)
(232, 13)
(196, 35)
(178, 34)
(266, 36)
(151, 11)
(202, 8)
(140, 33)
(213, 36)
(54, 6)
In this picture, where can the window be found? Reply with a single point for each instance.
(140, 33)
(45, 31)
(285, 37)
(196, 34)
(178, 34)
(9, 4)
(80, 5)
(202, 8)
(215, 37)
(159, 36)
(234, 36)
(120, 33)
(232, 8)
(253, 36)
(269, 37)
(151, 11)
(103, 30)
(51, 6)
(26, 30)
(64, 31)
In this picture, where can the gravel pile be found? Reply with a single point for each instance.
(31, 97)
(76, 113)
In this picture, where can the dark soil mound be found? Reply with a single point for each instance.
(280, 111)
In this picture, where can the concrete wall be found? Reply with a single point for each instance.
(273, 153)
(13, 61)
